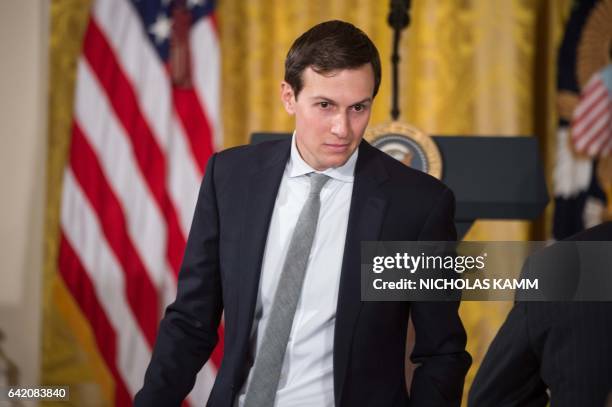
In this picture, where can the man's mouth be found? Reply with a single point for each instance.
(337, 147)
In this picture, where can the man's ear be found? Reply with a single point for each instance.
(288, 97)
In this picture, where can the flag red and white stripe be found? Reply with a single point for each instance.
(592, 119)
(138, 150)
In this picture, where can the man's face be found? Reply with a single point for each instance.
(331, 114)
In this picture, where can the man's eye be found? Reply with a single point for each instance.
(324, 105)
(358, 107)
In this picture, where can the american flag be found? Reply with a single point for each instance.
(146, 119)
(592, 119)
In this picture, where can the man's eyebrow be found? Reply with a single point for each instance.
(317, 97)
(361, 102)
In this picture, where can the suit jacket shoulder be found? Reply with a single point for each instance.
(422, 207)
(233, 164)
(402, 174)
(247, 156)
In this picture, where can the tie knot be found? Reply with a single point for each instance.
(317, 181)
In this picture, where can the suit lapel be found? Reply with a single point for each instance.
(368, 204)
(262, 187)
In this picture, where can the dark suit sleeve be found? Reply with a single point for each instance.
(188, 332)
(509, 374)
(440, 341)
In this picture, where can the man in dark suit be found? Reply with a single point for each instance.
(248, 234)
(556, 350)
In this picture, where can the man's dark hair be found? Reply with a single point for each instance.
(327, 47)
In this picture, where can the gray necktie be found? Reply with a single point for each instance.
(269, 359)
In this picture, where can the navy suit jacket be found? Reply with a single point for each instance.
(221, 270)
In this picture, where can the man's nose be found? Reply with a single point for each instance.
(340, 125)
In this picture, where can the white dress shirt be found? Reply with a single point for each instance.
(307, 376)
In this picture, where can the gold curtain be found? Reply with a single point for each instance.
(476, 67)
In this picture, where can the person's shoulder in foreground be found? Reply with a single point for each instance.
(557, 352)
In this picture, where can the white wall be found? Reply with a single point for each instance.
(23, 145)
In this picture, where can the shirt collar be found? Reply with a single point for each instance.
(298, 167)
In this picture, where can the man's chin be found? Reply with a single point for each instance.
(337, 162)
